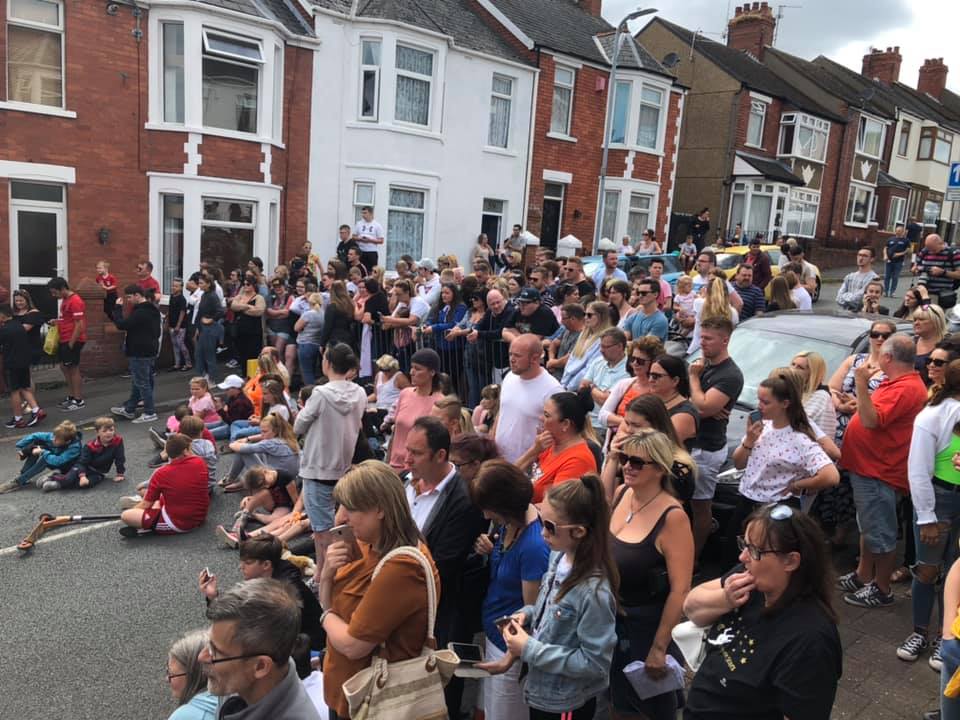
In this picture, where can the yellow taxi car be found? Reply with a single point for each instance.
(730, 258)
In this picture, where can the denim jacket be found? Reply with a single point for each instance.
(569, 660)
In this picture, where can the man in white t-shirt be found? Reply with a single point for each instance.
(525, 388)
(369, 235)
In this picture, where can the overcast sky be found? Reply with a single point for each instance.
(844, 30)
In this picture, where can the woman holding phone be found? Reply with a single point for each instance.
(360, 612)
(518, 559)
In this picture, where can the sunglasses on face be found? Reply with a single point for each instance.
(936, 362)
(589, 314)
(551, 527)
(638, 361)
(878, 335)
(637, 463)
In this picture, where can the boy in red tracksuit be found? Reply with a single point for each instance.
(177, 498)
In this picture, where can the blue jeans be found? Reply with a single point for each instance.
(242, 429)
(950, 652)
(941, 554)
(891, 276)
(32, 467)
(141, 384)
(220, 430)
(207, 341)
(307, 354)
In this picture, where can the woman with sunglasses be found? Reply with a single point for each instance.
(652, 546)
(942, 355)
(248, 307)
(187, 678)
(560, 452)
(817, 402)
(934, 482)
(929, 328)
(670, 382)
(518, 558)
(640, 354)
(773, 650)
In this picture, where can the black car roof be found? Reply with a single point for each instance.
(834, 326)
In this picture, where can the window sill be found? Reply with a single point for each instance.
(848, 223)
(215, 132)
(938, 162)
(800, 157)
(658, 152)
(494, 150)
(37, 109)
(561, 136)
(403, 129)
(755, 147)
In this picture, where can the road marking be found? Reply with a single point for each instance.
(60, 536)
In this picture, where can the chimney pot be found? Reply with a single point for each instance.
(932, 79)
(756, 6)
(751, 28)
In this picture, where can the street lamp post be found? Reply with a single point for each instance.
(611, 89)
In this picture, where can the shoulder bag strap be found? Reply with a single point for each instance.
(415, 553)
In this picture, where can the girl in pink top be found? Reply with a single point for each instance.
(413, 402)
(201, 402)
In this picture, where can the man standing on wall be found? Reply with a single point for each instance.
(369, 235)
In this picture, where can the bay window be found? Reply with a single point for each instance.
(802, 213)
(903, 142)
(231, 81)
(611, 208)
(758, 114)
(501, 99)
(931, 211)
(648, 131)
(35, 52)
(638, 218)
(759, 206)
(897, 214)
(859, 204)
(369, 79)
(621, 111)
(935, 144)
(870, 137)
(804, 136)
(405, 222)
(414, 83)
(562, 107)
(171, 207)
(173, 88)
(226, 232)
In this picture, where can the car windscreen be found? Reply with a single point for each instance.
(756, 352)
(728, 261)
(670, 264)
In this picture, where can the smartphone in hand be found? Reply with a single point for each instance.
(344, 533)
(756, 416)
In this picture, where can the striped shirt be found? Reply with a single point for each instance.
(948, 259)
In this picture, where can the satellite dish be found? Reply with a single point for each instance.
(670, 60)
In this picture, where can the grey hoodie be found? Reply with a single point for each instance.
(331, 422)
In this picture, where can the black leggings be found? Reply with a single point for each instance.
(584, 712)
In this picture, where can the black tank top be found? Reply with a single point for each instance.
(643, 579)
(248, 324)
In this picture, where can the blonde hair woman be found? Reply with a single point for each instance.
(361, 612)
(715, 303)
(929, 328)
(817, 401)
(587, 347)
(455, 417)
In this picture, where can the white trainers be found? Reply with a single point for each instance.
(912, 648)
(129, 501)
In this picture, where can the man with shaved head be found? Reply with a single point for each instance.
(525, 388)
(489, 333)
(939, 268)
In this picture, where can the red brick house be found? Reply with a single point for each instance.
(572, 45)
(754, 149)
(177, 132)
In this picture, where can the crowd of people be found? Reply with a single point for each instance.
(544, 448)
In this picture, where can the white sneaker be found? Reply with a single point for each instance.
(129, 501)
(122, 412)
(145, 418)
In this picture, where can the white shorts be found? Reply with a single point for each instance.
(709, 463)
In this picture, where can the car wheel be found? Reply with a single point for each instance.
(816, 292)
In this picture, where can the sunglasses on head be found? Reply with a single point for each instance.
(637, 463)
(551, 527)
(879, 334)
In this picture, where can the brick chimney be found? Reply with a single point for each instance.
(594, 7)
(751, 28)
(882, 65)
(933, 77)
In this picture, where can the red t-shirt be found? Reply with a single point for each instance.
(148, 283)
(107, 281)
(560, 467)
(71, 312)
(882, 452)
(182, 483)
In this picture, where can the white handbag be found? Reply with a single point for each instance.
(408, 689)
(692, 641)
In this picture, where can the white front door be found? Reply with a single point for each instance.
(38, 240)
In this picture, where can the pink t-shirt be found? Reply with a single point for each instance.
(204, 408)
(410, 406)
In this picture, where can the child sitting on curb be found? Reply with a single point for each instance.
(41, 451)
(96, 458)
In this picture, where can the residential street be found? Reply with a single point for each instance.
(113, 606)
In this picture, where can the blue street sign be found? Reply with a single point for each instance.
(954, 181)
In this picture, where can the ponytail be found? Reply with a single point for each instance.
(583, 502)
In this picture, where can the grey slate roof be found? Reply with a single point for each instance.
(770, 168)
(564, 26)
(749, 71)
(340, 6)
(885, 179)
(279, 10)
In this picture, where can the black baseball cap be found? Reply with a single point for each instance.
(529, 295)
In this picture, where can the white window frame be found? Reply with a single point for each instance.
(935, 135)
(647, 211)
(804, 198)
(377, 73)
(929, 201)
(194, 189)
(758, 109)
(847, 216)
(798, 120)
(408, 210)
(398, 73)
(661, 114)
(499, 95)
(605, 232)
(941, 134)
(501, 214)
(897, 213)
(571, 87)
(242, 59)
(863, 123)
(358, 204)
(628, 190)
(43, 27)
(195, 23)
(906, 129)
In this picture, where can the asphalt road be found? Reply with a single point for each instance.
(89, 615)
